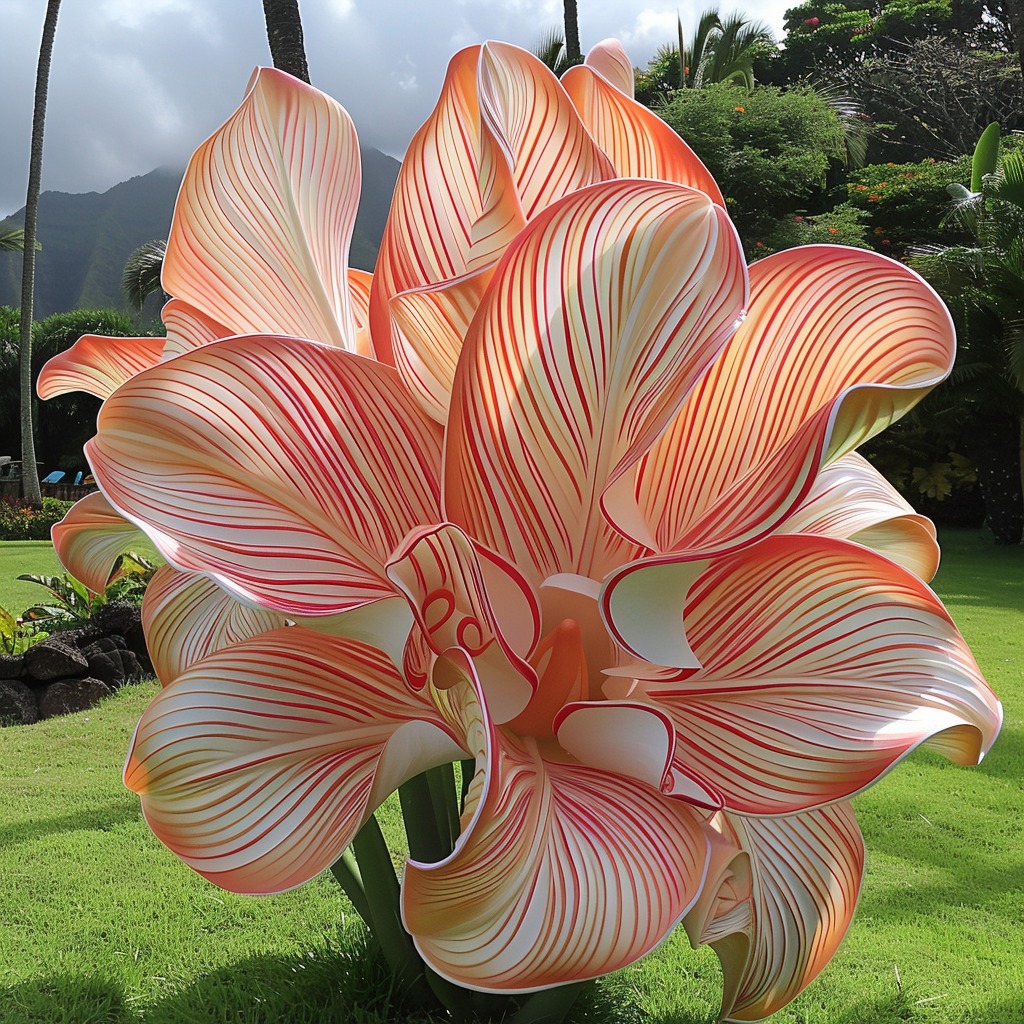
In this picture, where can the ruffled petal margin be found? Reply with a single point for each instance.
(823, 664)
(300, 513)
(562, 872)
(259, 764)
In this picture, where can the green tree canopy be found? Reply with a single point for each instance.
(770, 150)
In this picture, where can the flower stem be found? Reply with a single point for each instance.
(380, 884)
(549, 1006)
(346, 871)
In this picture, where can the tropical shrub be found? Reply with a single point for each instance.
(21, 522)
(770, 150)
(900, 201)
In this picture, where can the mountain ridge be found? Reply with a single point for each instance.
(87, 236)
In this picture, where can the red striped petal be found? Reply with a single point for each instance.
(359, 285)
(805, 873)
(562, 872)
(259, 764)
(430, 325)
(429, 234)
(836, 345)
(289, 471)
(850, 499)
(612, 63)
(261, 231)
(525, 108)
(456, 602)
(602, 315)
(188, 328)
(91, 538)
(186, 617)
(97, 365)
(638, 142)
(823, 664)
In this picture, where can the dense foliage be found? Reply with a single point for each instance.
(63, 424)
(770, 150)
(21, 523)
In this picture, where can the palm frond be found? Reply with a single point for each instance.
(141, 275)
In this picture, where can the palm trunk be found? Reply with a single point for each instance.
(284, 34)
(572, 33)
(30, 489)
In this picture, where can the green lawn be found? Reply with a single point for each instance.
(24, 556)
(100, 925)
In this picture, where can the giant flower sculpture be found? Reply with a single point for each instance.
(567, 494)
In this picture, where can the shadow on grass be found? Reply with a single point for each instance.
(95, 819)
(65, 999)
(349, 985)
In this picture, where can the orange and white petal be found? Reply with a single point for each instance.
(489, 614)
(188, 328)
(600, 318)
(561, 873)
(259, 764)
(359, 285)
(429, 234)
(289, 471)
(805, 876)
(186, 617)
(97, 365)
(260, 236)
(823, 663)
(837, 344)
(638, 142)
(90, 539)
(430, 326)
(612, 63)
(850, 499)
(524, 107)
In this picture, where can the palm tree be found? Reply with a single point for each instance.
(13, 240)
(284, 34)
(30, 476)
(572, 32)
(983, 282)
(141, 275)
(722, 50)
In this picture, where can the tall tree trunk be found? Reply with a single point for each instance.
(30, 489)
(284, 33)
(572, 33)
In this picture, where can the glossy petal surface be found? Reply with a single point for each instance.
(837, 343)
(90, 538)
(637, 141)
(97, 365)
(261, 230)
(600, 318)
(822, 665)
(300, 515)
(805, 874)
(563, 872)
(852, 500)
(456, 601)
(187, 616)
(258, 764)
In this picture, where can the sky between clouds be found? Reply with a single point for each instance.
(137, 84)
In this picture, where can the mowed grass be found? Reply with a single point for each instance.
(99, 924)
(36, 558)
(18, 557)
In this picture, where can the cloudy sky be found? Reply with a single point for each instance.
(137, 84)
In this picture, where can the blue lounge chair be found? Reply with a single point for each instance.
(55, 477)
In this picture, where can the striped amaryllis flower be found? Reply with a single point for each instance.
(619, 576)
(259, 243)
